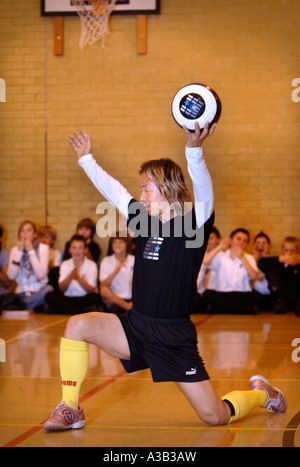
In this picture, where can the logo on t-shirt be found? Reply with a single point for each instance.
(152, 248)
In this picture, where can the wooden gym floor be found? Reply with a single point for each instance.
(130, 410)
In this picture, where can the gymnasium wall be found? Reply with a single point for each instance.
(247, 50)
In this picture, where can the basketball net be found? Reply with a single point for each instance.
(94, 16)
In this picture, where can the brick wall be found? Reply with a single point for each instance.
(247, 50)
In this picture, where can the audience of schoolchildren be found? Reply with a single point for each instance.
(235, 271)
(35, 275)
(232, 281)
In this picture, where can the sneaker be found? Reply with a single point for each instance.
(277, 401)
(65, 418)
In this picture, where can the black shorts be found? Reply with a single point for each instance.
(167, 347)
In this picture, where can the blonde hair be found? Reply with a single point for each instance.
(169, 180)
(291, 239)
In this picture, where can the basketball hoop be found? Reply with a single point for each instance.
(94, 16)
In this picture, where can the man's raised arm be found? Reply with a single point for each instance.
(202, 183)
(110, 188)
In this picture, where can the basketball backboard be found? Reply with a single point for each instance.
(125, 7)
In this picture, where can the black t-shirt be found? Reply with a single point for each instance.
(167, 262)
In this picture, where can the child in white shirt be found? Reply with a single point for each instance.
(28, 266)
(116, 272)
(235, 269)
(77, 282)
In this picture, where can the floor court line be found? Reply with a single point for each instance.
(288, 440)
(33, 331)
(290, 428)
(27, 434)
(202, 321)
(288, 436)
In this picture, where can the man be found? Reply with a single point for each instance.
(157, 333)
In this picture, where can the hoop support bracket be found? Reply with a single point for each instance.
(142, 24)
(58, 35)
(141, 34)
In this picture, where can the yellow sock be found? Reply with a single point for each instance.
(244, 401)
(74, 359)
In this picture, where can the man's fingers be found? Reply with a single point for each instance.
(186, 130)
(86, 137)
(79, 137)
(197, 129)
(75, 143)
(212, 129)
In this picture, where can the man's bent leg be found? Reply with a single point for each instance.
(233, 406)
(243, 402)
(206, 403)
(100, 329)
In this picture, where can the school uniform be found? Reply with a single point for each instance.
(233, 291)
(121, 284)
(283, 281)
(29, 270)
(75, 299)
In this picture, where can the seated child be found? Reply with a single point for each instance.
(261, 249)
(28, 266)
(77, 282)
(261, 246)
(206, 277)
(87, 229)
(116, 272)
(283, 275)
(235, 269)
(47, 235)
(4, 260)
